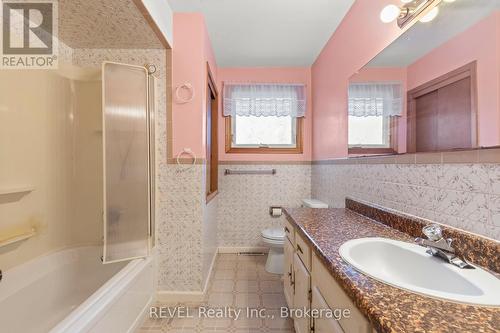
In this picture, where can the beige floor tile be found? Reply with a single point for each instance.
(225, 286)
(224, 274)
(181, 330)
(276, 322)
(227, 264)
(219, 323)
(247, 286)
(238, 281)
(246, 275)
(247, 300)
(273, 301)
(220, 299)
(248, 323)
(271, 286)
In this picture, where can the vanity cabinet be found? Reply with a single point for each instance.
(288, 282)
(301, 297)
(322, 324)
(309, 285)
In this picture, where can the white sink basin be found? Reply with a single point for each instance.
(409, 267)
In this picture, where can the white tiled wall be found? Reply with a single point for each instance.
(465, 196)
(244, 200)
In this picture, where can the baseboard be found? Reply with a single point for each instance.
(227, 250)
(210, 273)
(173, 297)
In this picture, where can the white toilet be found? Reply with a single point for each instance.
(274, 238)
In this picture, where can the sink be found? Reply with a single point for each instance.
(408, 266)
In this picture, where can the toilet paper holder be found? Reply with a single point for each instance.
(275, 211)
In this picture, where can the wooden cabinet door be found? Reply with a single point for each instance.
(323, 324)
(301, 298)
(288, 273)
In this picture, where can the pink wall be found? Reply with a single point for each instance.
(360, 37)
(192, 50)
(482, 43)
(271, 75)
(394, 74)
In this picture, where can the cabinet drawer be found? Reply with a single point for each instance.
(336, 298)
(290, 232)
(303, 250)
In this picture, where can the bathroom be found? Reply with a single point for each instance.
(250, 166)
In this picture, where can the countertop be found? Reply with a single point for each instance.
(388, 308)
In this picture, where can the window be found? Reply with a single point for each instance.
(212, 141)
(373, 111)
(264, 118)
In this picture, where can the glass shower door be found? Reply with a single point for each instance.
(126, 140)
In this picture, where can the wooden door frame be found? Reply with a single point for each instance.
(467, 71)
(213, 158)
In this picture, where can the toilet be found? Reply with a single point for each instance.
(274, 238)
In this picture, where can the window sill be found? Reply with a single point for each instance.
(371, 151)
(264, 150)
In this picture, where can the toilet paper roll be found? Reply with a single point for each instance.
(276, 211)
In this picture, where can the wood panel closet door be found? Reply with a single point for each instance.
(454, 116)
(442, 113)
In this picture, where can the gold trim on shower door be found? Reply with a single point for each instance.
(126, 161)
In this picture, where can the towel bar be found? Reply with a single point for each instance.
(250, 172)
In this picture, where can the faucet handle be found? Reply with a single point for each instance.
(433, 232)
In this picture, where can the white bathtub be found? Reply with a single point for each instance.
(71, 291)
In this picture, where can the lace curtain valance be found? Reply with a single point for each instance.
(375, 99)
(264, 100)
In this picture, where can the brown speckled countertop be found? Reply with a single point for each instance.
(388, 308)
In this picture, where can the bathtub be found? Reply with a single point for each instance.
(71, 291)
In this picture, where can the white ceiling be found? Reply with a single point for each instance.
(422, 38)
(267, 33)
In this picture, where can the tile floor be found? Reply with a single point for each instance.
(238, 282)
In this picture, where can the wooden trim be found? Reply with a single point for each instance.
(299, 149)
(212, 153)
(468, 70)
(211, 195)
(264, 162)
(369, 151)
(151, 22)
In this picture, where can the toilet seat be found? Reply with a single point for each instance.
(274, 234)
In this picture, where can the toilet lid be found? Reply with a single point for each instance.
(274, 233)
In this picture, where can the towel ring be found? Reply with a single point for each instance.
(187, 86)
(187, 151)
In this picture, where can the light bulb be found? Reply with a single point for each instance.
(407, 1)
(430, 15)
(389, 13)
(449, 0)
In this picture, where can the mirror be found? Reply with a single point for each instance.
(436, 88)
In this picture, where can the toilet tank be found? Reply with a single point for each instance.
(313, 203)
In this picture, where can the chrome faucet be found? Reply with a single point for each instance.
(439, 247)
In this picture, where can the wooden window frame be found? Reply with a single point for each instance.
(393, 143)
(467, 71)
(298, 149)
(212, 149)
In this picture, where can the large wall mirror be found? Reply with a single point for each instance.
(436, 88)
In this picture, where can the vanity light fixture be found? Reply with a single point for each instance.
(424, 10)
